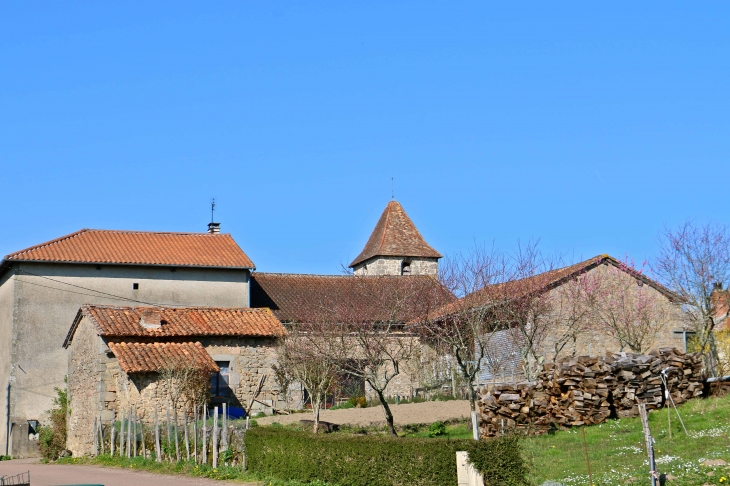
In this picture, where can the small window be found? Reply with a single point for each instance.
(219, 381)
(405, 268)
(135, 286)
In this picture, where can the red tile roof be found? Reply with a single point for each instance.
(299, 298)
(147, 357)
(395, 235)
(542, 282)
(139, 248)
(111, 321)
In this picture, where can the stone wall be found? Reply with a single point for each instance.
(38, 313)
(86, 366)
(385, 265)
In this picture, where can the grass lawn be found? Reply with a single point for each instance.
(617, 453)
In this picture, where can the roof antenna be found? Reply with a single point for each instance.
(213, 228)
(392, 188)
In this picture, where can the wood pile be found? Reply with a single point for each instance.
(585, 390)
(509, 407)
(637, 380)
(683, 373)
(579, 390)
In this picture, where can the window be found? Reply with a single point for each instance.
(219, 381)
(405, 268)
(135, 286)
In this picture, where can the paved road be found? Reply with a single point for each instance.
(53, 474)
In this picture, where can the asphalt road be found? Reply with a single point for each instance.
(54, 474)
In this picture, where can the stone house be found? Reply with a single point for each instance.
(43, 287)
(394, 279)
(295, 299)
(115, 355)
(504, 357)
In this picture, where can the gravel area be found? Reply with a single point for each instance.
(409, 413)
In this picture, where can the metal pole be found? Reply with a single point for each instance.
(585, 448)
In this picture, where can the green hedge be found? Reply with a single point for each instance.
(375, 460)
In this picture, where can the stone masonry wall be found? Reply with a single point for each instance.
(249, 358)
(84, 386)
(384, 265)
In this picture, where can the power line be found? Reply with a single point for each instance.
(117, 297)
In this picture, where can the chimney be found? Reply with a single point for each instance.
(151, 318)
(720, 301)
(214, 228)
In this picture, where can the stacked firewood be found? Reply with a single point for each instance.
(578, 390)
(509, 407)
(683, 373)
(586, 390)
(638, 380)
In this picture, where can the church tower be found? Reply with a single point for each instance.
(395, 247)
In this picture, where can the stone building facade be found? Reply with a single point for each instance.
(116, 355)
(42, 288)
(555, 338)
(396, 247)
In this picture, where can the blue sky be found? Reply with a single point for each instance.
(588, 126)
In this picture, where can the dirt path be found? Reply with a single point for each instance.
(410, 413)
(51, 474)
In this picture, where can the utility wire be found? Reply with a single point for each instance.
(117, 297)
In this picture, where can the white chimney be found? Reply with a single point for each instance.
(214, 228)
(151, 318)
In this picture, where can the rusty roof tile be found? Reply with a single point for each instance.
(139, 248)
(395, 235)
(148, 357)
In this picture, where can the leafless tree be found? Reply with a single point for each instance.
(464, 329)
(302, 356)
(692, 259)
(624, 308)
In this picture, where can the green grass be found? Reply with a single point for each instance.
(454, 431)
(617, 453)
(187, 468)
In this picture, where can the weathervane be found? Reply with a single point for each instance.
(212, 210)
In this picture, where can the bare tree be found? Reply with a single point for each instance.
(692, 259)
(464, 329)
(626, 309)
(302, 356)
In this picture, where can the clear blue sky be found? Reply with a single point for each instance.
(589, 127)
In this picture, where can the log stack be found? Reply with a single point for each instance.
(509, 407)
(638, 380)
(578, 390)
(585, 390)
(683, 373)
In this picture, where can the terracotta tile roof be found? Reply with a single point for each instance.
(111, 321)
(395, 235)
(542, 282)
(139, 248)
(297, 298)
(147, 357)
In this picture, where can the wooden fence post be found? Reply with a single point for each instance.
(129, 432)
(205, 434)
(169, 433)
(187, 439)
(195, 434)
(224, 431)
(158, 453)
(111, 442)
(95, 450)
(215, 437)
(134, 433)
(121, 433)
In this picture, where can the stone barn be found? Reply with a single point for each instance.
(116, 355)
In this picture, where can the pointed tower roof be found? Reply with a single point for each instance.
(395, 235)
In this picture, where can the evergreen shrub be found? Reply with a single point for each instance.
(375, 460)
